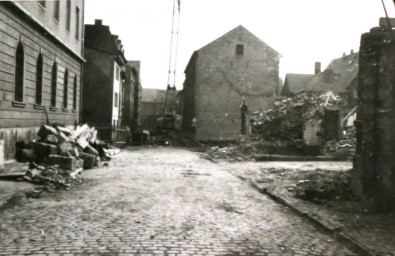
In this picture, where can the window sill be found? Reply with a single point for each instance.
(18, 104)
(53, 109)
(75, 111)
(65, 110)
(36, 106)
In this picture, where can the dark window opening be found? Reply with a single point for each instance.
(68, 15)
(77, 23)
(19, 76)
(39, 79)
(65, 89)
(75, 93)
(57, 9)
(239, 49)
(53, 84)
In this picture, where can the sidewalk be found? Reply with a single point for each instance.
(348, 220)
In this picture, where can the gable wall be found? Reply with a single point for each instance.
(222, 78)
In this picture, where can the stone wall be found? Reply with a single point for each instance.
(223, 77)
(374, 162)
(19, 120)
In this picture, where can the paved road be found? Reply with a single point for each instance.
(160, 201)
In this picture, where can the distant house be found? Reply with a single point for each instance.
(41, 62)
(295, 83)
(218, 75)
(341, 76)
(103, 78)
(152, 107)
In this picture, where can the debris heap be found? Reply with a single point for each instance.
(55, 159)
(284, 121)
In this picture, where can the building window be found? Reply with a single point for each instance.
(77, 23)
(53, 84)
(42, 3)
(116, 100)
(19, 72)
(239, 49)
(57, 9)
(117, 73)
(65, 88)
(39, 79)
(68, 15)
(75, 93)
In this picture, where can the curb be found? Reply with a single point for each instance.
(336, 230)
(300, 158)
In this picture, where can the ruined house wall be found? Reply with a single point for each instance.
(20, 120)
(374, 163)
(223, 77)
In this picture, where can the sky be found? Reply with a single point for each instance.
(302, 31)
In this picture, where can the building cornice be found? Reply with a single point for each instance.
(38, 24)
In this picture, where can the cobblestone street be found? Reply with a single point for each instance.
(160, 201)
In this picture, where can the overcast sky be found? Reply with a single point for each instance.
(302, 31)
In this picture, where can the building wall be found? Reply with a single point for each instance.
(20, 119)
(98, 88)
(45, 16)
(374, 163)
(116, 95)
(223, 78)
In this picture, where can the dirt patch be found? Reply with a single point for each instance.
(320, 187)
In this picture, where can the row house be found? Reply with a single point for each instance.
(41, 58)
(103, 82)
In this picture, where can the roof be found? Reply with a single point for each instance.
(238, 30)
(295, 83)
(339, 74)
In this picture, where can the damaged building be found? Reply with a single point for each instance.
(40, 67)
(341, 77)
(219, 75)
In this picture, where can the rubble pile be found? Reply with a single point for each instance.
(285, 120)
(58, 156)
(231, 152)
(346, 146)
(323, 186)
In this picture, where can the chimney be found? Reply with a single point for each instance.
(344, 55)
(98, 22)
(352, 52)
(317, 68)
